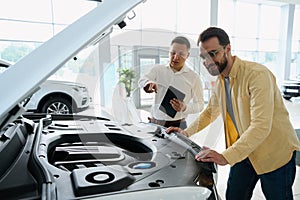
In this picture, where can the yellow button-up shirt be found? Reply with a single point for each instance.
(266, 134)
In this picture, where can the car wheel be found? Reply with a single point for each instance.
(287, 97)
(57, 105)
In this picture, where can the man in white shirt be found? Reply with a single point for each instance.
(179, 76)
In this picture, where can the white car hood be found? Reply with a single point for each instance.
(22, 79)
(64, 83)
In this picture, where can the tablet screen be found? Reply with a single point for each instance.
(171, 93)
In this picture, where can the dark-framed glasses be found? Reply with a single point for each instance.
(212, 54)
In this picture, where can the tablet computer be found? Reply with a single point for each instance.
(165, 105)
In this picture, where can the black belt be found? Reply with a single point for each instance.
(166, 123)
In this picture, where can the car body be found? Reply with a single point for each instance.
(291, 88)
(59, 97)
(83, 157)
(73, 156)
(56, 97)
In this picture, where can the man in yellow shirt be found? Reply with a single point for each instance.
(261, 142)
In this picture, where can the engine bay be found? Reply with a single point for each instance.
(76, 156)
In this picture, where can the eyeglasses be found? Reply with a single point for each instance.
(212, 54)
(181, 53)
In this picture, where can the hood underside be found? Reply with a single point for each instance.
(53, 54)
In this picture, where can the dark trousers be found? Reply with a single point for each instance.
(276, 185)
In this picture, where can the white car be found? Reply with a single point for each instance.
(56, 97)
(291, 88)
(59, 97)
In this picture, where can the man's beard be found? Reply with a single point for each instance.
(217, 68)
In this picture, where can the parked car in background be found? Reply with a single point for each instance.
(56, 97)
(291, 88)
(59, 97)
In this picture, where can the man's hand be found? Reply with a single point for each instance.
(209, 155)
(178, 105)
(176, 129)
(151, 87)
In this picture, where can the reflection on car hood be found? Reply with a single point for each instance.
(64, 83)
(4, 63)
(54, 53)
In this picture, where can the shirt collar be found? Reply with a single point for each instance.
(235, 67)
(183, 69)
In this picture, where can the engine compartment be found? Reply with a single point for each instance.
(76, 156)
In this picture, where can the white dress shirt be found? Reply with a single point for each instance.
(185, 80)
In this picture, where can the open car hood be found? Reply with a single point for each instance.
(89, 157)
(53, 54)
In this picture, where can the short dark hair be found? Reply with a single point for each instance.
(214, 32)
(182, 40)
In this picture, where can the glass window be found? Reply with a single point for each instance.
(29, 10)
(14, 51)
(246, 15)
(159, 14)
(13, 30)
(146, 64)
(240, 21)
(67, 11)
(295, 59)
(268, 45)
(249, 44)
(192, 16)
(296, 31)
(226, 15)
(269, 24)
(134, 18)
(254, 32)
(30, 22)
(58, 28)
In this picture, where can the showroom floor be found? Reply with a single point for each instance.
(213, 137)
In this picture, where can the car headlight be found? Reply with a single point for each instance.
(80, 89)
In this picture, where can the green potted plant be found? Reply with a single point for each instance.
(127, 76)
